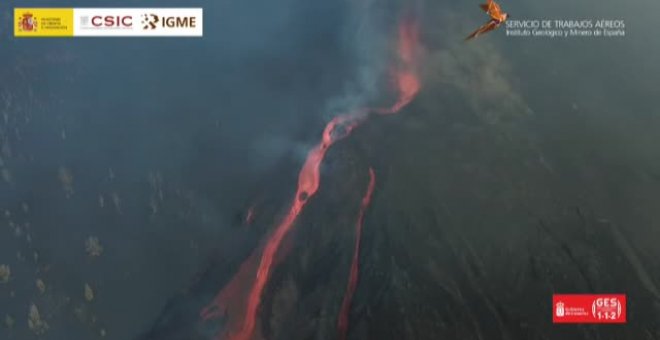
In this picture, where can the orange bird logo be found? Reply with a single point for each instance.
(497, 17)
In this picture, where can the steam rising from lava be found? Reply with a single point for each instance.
(242, 315)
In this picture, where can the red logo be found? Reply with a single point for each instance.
(27, 22)
(589, 308)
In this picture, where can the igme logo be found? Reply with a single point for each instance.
(152, 21)
(180, 22)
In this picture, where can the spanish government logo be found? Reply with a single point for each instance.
(27, 23)
(43, 22)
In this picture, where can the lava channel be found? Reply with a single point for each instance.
(241, 314)
(342, 322)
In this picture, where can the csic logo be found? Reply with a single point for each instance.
(27, 23)
(152, 21)
(107, 21)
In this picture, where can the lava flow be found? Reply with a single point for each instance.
(405, 75)
(242, 319)
(342, 323)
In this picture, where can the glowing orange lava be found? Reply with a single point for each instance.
(308, 184)
(342, 323)
(405, 75)
(242, 318)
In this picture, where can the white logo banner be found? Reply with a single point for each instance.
(138, 22)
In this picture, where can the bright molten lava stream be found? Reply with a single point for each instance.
(342, 323)
(241, 319)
